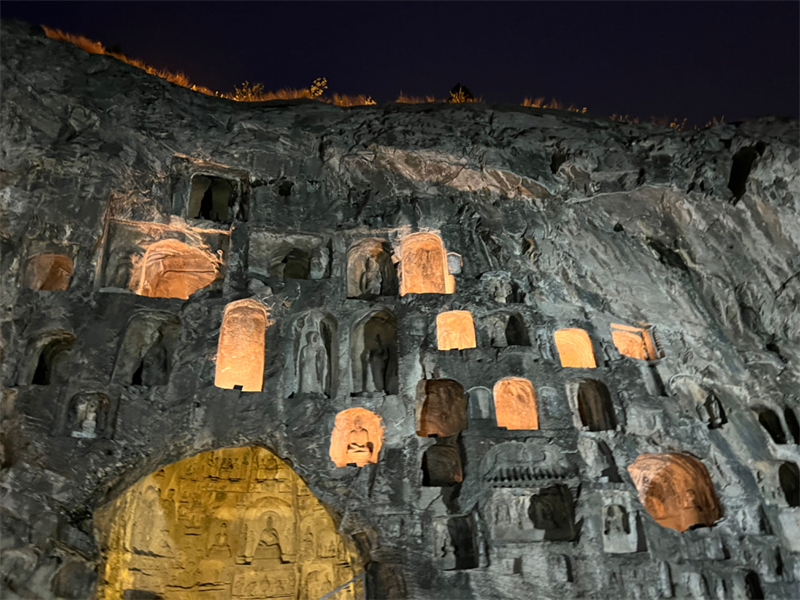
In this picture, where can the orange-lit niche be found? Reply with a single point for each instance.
(357, 437)
(575, 349)
(455, 330)
(515, 404)
(675, 489)
(172, 269)
(48, 272)
(240, 353)
(635, 342)
(424, 266)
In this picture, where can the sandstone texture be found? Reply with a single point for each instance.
(135, 211)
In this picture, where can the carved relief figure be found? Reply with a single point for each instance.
(373, 347)
(84, 417)
(711, 412)
(515, 404)
(240, 353)
(371, 279)
(424, 265)
(575, 349)
(455, 330)
(635, 342)
(313, 365)
(172, 269)
(357, 437)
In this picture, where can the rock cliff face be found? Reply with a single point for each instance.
(613, 411)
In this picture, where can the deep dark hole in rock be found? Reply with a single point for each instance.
(285, 188)
(668, 256)
(740, 170)
(462, 534)
(298, 264)
(789, 477)
(441, 465)
(552, 510)
(770, 421)
(516, 334)
(52, 355)
(752, 586)
(792, 424)
(595, 406)
(558, 159)
(210, 198)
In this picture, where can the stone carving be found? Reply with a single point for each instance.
(441, 465)
(620, 534)
(507, 329)
(675, 489)
(289, 256)
(455, 330)
(552, 511)
(320, 263)
(48, 272)
(172, 269)
(370, 271)
(515, 464)
(240, 353)
(219, 526)
(313, 365)
(574, 349)
(480, 403)
(515, 404)
(595, 409)
(424, 265)
(357, 437)
(711, 412)
(373, 347)
(636, 342)
(316, 354)
(48, 359)
(87, 415)
(455, 543)
(442, 408)
(145, 354)
(517, 516)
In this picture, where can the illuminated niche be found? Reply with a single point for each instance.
(370, 270)
(676, 490)
(443, 408)
(48, 272)
(234, 523)
(635, 342)
(515, 404)
(424, 266)
(357, 438)
(455, 330)
(172, 269)
(575, 349)
(240, 353)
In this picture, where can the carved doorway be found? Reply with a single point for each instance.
(230, 523)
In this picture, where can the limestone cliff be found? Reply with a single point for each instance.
(622, 421)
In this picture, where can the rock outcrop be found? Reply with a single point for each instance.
(135, 211)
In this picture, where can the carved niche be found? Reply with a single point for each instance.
(592, 405)
(424, 265)
(240, 352)
(574, 349)
(48, 358)
(636, 342)
(507, 329)
(145, 355)
(89, 416)
(370, 270)
(442, 407)
(48, 272)
(289, 256)
(441, 465)
(373, 354)
(515, 404)
(524, 516)
(316, 352)
(455, 330)
(357, 438)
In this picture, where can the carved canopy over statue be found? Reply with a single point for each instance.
(357, 437)
(675, 489)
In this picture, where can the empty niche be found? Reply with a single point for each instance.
(357, 438)
(574, 348)
(424, 265)
(455, 330)
(789, 478)
(507, 329)
(370, 270)
(636, 342)
(145, 354)
(88, 415)
(463, 543)
(676, 490)
(48, 272)
(212, 198)
(595, 407)
(316, 354)
(515, 404)
(240, 353)
(771, 423)
(480, 406)
(791, 423)
(373, 354)
(444, 408)
(289, 256)
(48, 360)
(172, 269)
(552, 511)
(441, 465)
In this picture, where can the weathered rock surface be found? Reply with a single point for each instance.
(560, 220)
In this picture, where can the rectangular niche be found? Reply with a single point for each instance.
(208, 191)
(161, 260)
(289, 255)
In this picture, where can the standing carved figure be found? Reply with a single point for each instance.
(371, 279)
(313, 365)
(377, 363)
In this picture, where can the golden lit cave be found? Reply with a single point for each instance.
(229, 523)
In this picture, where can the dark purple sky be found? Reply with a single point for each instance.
(675, 59)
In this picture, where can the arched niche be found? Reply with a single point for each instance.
(172, 269)
(229, 523)
(789, 478)
(574, 348)
(89, 416)
(48, 358)
(316, 352)
(594, 405)
(792, 424)
(771, 423)
(676, 490)
(507, 329)
(48, 272)
(240, 352)
(441, 466)
(145, 356)
(480, 405)
(373, 354)
(455, 330)
(636, 342)
(515, 404)
(370, 270)
(424, 265)
(211, 198)
(442, 408)
(357, 438)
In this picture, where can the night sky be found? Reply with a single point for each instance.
(670, 59)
